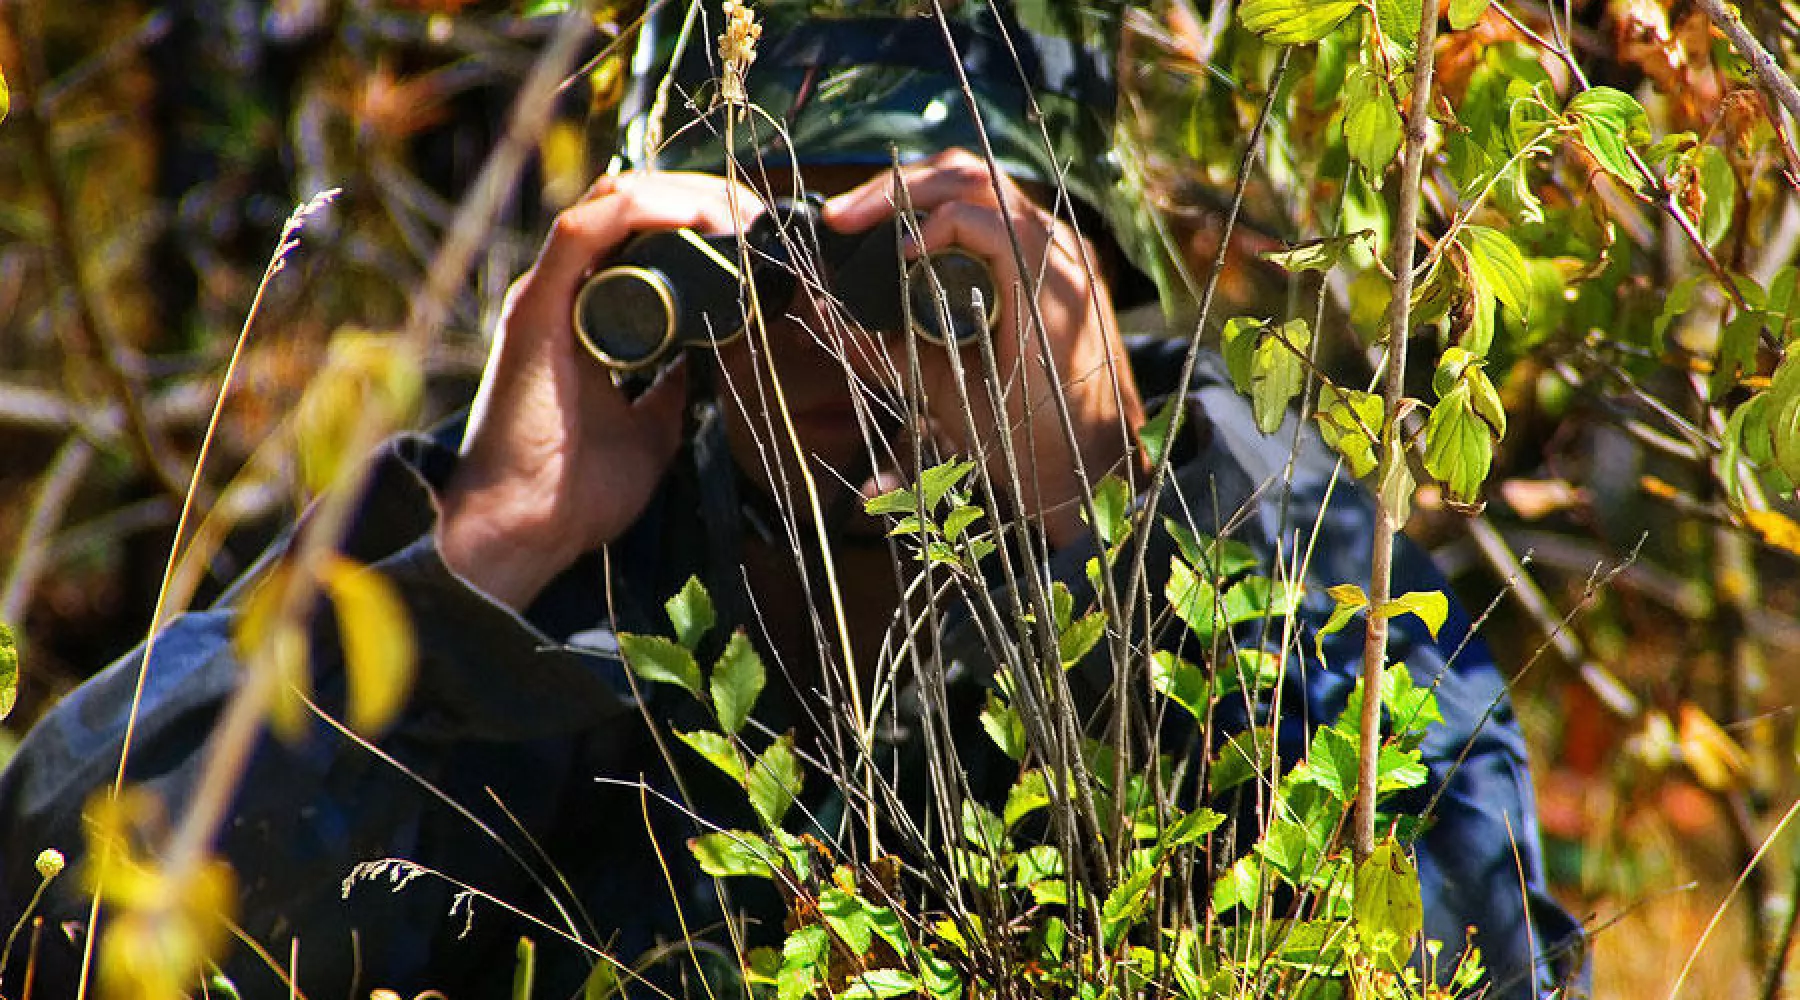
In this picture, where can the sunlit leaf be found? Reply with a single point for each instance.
(1350, 424)
(1294, 22)
(803, 957)
(1241, 885)
(775, 781)
(878, 984)
(1181, 682)
(1332, 763)
(525, 970)
(900, 501)
(1430, 606)
(603, 981)
(5, 97)
(1496, 258)
(265, 637)
(1112, 508)
(1080, 637)
(1387, 904)
(1400, 21)
(937, 480)
(369, 381)
(1154, 435)
(9, 670)
(1027, 795)
(661, 661)
(1464, 13)
(1317, 255)
(1004, 727)
(691, 612)
(719, 751)
(1718, 762)
(1609, 123)
(1268, 365)
(1193, 600)
(1458, 448)
(1350, 599)
(1372, 125)
(379, 655)
(737, 681)
(734, 853)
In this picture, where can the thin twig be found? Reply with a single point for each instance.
(52, 502)
(1392, 455)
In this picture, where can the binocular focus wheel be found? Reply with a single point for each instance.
(626, 317)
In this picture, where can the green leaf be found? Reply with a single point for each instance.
(661, 661)
(718, 751)
(1081, 637)
(546, 8)
(1372, 125)
(1608, 124)
(1029, 794)
(1154, 435)
(1350, 599)
(1004, 727)
(900, 501)
(1180, 682)
(879, 984)
(1458, 449)
(1294, 22)
(940, 978)
(737, 680)
(1350, 424)
(981, 829)
(1191, 827)
(603, 981)
(1464, 13)
(1125, 904)
(1332, 763)
(1112, 506)
(9, 670)
(937, 480)
(1386, 902)
(735, 854)
(1317, 255)
(1267, 365)
(1400, 20)
(1397, 484)
(1239, 886)
(1718, 186)
(1737, 351)
(959, 519)
(1244, 756)
(804, 955)
(1501, 267)
(1193, 600)
(775, 781)
(691, 612)
(848, 918)
(1430, 606)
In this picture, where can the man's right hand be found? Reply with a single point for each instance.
(557, 461)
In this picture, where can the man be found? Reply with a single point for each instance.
(523, 771)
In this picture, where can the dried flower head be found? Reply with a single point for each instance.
(737, 50)
(49, 863)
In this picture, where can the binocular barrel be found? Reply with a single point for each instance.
(677, 289)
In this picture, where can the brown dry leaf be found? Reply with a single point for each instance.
(1715, 758)
(392, 108)
(1534, 499)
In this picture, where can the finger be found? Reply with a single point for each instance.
(632, 203)
(954, 175)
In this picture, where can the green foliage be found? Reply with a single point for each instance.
(1268, 364)
(1295, 22)
(9, 670)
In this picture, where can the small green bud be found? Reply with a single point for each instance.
(49, 863)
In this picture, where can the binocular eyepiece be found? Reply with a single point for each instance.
(675, 289)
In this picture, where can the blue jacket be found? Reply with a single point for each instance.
(534, 711)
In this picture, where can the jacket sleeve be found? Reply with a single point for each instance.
(494, 696)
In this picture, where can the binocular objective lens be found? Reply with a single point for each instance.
(626, 316)
(959, 274)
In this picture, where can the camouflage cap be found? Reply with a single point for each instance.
(854, 83)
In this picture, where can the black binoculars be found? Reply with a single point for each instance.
(674, 289)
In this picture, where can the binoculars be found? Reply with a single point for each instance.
(674, 289)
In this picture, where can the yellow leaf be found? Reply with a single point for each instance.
(1431, 607)
(266, 640)
(1715, 758)
(1776, 529)
(367, 378)
(379, 658)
